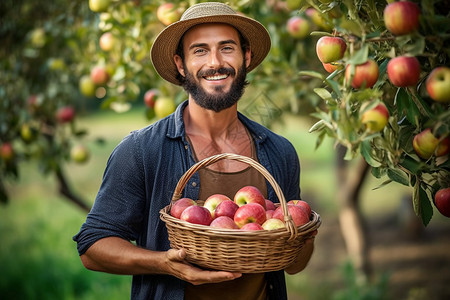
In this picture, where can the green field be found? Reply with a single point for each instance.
(38, 259)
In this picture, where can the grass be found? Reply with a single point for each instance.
(38, 258)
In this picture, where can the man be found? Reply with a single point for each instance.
(209, 52)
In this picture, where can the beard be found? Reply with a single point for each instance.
(220, 100)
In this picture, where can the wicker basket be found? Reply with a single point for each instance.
(233, 250)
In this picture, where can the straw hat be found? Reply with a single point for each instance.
(166, 42)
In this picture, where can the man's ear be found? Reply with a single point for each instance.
(248, 57)
(179, 63)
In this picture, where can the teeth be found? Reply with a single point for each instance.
(216, 77)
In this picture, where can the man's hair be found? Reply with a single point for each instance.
(180, 50)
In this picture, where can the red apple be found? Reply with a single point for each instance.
(226, 208)
(180, 205)
(298, 27)
(330, 48)
(212, 201)
(249, 194)
(442, 201)
(425, 143)
(65, 114)
(168, 13)
(252, 227)
(273, 223)
(331, 67)
(197, 215)
(250, 213)
(79, 153)
(404, 71)
(99, 5)
(223, 222)
(270, 205)
(402, 17)
(150, 97)
(366, 74)
(438, 84)
(443, 148)
(269, 213)
(303, 204)
(6, 152)
(99, 75)
(107, 41)
(376, 118)
(298, 214)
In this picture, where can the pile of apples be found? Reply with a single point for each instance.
(249, 210)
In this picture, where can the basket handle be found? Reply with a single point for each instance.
(289, 222)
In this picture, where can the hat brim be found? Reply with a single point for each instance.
(166, 43)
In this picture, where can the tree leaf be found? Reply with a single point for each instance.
(366, 148)
(425, 207)
(312, 74)
(323, 93)
(398, 176)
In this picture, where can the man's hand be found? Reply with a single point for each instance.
(303, 256)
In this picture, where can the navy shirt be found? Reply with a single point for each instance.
(140, 178)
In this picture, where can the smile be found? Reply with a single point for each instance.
(216, 77)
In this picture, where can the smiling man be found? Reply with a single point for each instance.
(209, 52)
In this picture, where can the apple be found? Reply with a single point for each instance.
(298, 27)
(269, 205)
(303, 204)
(107, 41)
(401, 17)
(212, 201)
(403, 71)
(38, 37)
(366, 74)
(269, 213)
(442, 201)
(330, 48)
(28, 133)
(223, 222)
(331, 67)
(443, 148)
(250, 213)
(164, 106)
(249, 194)
(317, 18)
(294, 4)
(438, 84)
(99, 5)
(6, 152)
(298, 214)
(425, 143)
(79, 153)
(226, 208)
(167, 13)
(252, 227)
(178, 206)
(65, 114)
(87, 86)
(273, 223)
(375, 119)
(196, 214)
(99, 75)
(150, 97)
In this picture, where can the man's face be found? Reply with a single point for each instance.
(214, 67)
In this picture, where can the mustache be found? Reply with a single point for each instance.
(211, 72)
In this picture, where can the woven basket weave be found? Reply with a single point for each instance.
(234, 250)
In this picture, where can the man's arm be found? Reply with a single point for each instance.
(118, 256)
(303, 257)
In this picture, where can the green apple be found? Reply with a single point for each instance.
(330, 49)
(376, 118)
(38, 37)
(86, 86)
(318, 19)
(164, 106)
(99, 5)
(28, 133)
(298, 27)
(401, 17)
(438, 84)
(107, 41)
(366, 75)
(79, 153)
(404, 71)
(425, 143)
(295, 4)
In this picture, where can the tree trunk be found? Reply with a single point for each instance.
(353, 229)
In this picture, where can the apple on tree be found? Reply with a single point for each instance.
(196, 214)
(178, 206)
(87, 86)
(99, 75)
(250, 213)
(442, 201)
(226, 208)
(249, 194)
(213, 201)
(298, 27)
(330, 49)
(365, 75)
(107, 41)
(168, 13)
(223, 222)
(401, 17)
(99, 5)
(375, 119)
(6, 152)
(164, 106)
(331, 67)
(79, 153)
(150, 97)
(425, 143)
(65, 114)
(438, 84)
(443, 148)
(404, 71)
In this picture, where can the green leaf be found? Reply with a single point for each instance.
(366, 148)
(406, 106)
(411, 165)
(323, 93)
(398, 176)
(360, 56)
(317, 126)
(382, 184)
(425, 207)
(312, 74)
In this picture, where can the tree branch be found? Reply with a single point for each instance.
(66, 191)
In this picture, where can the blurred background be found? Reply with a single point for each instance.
(76, 78)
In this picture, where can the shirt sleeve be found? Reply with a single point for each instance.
(119, 207)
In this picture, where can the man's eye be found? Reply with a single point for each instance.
(199, 51)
